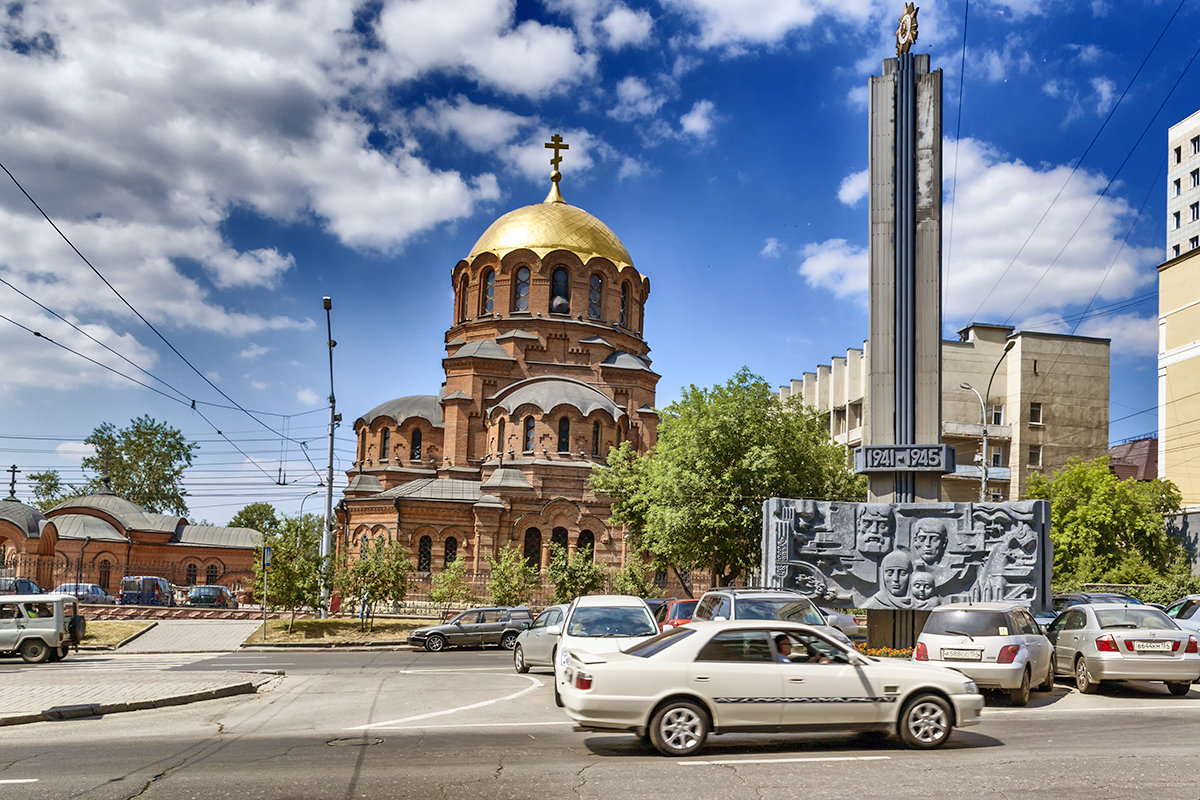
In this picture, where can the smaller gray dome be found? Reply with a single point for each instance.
(425, 406)
(27, 518)
(550, 392)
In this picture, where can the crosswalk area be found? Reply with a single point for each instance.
(102, 662)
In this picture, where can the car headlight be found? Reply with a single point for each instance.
(970, 688)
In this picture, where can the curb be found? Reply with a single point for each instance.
(327, 645)
(85, 710)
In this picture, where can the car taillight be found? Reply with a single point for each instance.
(1008, 653)
(583, 681)
(1107, 644)
(921, 653)
(1191, 645)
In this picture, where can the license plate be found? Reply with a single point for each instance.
(961, 655)
(1151, 647)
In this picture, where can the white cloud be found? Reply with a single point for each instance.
(308, 397)
(854, 187)
(772, 248)
(838, 266)
(1106, 92)
(75, 451)
(254, 351)
(732, 25)
(635, 99)
(625, 27)
(699, 121)
(482, 128)
(1130, 333)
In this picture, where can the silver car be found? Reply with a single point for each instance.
(997, 645)
(537, 645)
(1105, 642)
(1186, 612)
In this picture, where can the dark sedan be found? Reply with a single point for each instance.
(475, 627)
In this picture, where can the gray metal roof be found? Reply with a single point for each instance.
(595, 340)
(622, 360)
(129, 514)
(507, 478)
(364, 483)
(517, 334)
(82, 526)
(490, 500)
(215, 536)
(448, 489)
(27, 518)
(547, 393)
(457, 394)
(425, 406)
(483, 348)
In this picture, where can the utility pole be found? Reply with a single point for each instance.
(326, 532)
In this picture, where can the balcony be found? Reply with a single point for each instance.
(974, 430)
(971, 472)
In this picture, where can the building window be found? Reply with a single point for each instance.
(190, 575)
(1035, 413)
(1195, 178)
(997, 415)
(1175, 250)
(105, 575)
(1195, 209)
(564, 435)
(385, 444)
(489, 293)
(450, 553)
(1035, 455)
(997, 457)
(1195, 145)
(1178, 187)
(997, 497)
(462, 299)
(624, 319)
(1175, 220)
(560, 292)
(587, 545)
(559, 537)
(210, 574)
(424, 554)
(596, 438)
(414, 452)
(1194, 242)
(520, 301)
(1178, 154)
(529, 440)
(500, 437)
(533, 548)
(595, 295)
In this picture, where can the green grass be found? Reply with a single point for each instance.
(336, 631)
(111, 632)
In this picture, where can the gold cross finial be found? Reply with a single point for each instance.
(556, 144)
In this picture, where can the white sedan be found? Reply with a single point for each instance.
(760, 675)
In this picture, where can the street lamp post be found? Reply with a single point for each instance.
(326, 531)
(983, 446)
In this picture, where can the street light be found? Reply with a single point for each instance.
(325, 532)
(983, 448)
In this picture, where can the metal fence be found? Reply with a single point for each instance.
(51, 571)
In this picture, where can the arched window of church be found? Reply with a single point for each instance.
(560, 292)
(533, 548)
(451, 552)
(489, 293)
(529, 437)
(362, 446)
(500, 443)
(190, 576)
(424, 554)
(461, 300)
(414, 452)
(587, 544)
(559, 537)
(596, 438)
(385, 443)
(595, 294)
(105, 574)
(564, 435)
(210, 574)
(624, 319)
(520, 300)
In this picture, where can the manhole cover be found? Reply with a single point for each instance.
(359, 742)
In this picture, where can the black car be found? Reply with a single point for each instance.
(210, 596)
(19, 586)
(475, 627)
(1068, 599)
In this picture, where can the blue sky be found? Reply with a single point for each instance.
(226, 165)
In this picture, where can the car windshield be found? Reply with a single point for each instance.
(615, 621)
(969, 623)
(787, 608)
(469, 615)
(683, 609)
(1135, 617)
(659, 643)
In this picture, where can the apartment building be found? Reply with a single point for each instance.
(1183, 186)
(1047, 402)
(1179, 373)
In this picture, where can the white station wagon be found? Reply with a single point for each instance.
(760, 675)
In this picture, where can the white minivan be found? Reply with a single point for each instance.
(602, 623)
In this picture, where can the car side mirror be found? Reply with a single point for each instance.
(554, 630)
(720, 618)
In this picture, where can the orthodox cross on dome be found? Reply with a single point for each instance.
(556, 144)
(12, 483)
(906, 32)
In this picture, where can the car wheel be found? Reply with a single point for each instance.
(519, 661)
(925, 722)
(77, 629)
(1020, 695)
(435, 642)
(34, 651)
(679, 728)
(1048, 683)
(1083, 679)
(557, 696)
(508, 641)
(1178, 688)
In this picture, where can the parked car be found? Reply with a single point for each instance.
(475, 627)
(1103, 642)
(601, 623)
(732, 676)
(675, 613)
(750, 603)
(19, 586)
(997, 645)
(214, 595)
(844, 622)
(41, 627)
(1186, 612)
(1067, 599)
(145, 590)
(537, 645)
(656, 604)
(86, 593)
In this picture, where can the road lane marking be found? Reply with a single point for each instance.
(534, 683)
(19, 780)
(1058, 711)
(472, 725)
(779, 760)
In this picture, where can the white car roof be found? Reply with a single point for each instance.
(36, 598)
(608, 601)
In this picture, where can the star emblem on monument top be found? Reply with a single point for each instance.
(906, 32)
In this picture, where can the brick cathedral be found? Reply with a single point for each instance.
(546, 369)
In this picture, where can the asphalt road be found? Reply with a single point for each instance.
(401, 724)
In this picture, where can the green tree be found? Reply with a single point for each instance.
(49, 490)
(1104, 529)
(451, 587)
(634, 579)
(695, 500)
(256, 516)
(512, 580)
(380, 574)
(294, 577)
(575, 575)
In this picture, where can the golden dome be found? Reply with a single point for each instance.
(552, 225)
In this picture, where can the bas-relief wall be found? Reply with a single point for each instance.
(909, 556)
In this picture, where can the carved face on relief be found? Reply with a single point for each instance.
(874, 529)
(897, 569)
(929, 540)
(921, 584)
